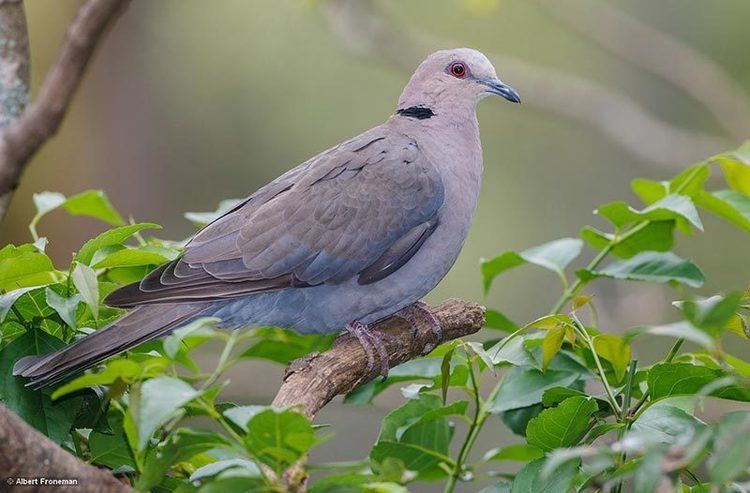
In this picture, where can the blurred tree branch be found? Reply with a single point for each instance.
(26, 453)
(366, 30)
(24, 131)
(665, 56)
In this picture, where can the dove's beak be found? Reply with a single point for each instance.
(497, 87)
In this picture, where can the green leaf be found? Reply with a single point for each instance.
(690, 181)
(158, 400)
(736, 168)
(655, 267)
(657, 236)
(65, 307)
(555, 256)
(240, 415)
(112, 237)
(284, 346)
(279, 437)
(711, 315)
(518, 419)
(551, 344)
(445, 373)
(649, 191)
(7, 300)
(561, 426)
(23, 267)
(203, 218)
(241, 466)
(731, 450)
(182, 445)
(732, 206)
(511, 351)
(418, 434)
(666, 424)
(523, 387)
(87, 284)
(520, 452)
(111, 449)
(615, 350)
(669, 207)
(47, 201)
(35, 406)
(93, 203)
(530, 479)
(123, 369)
(501, 487)
(677, 330)
(130, 257)
(667, 379)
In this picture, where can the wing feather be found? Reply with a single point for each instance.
(359, 210)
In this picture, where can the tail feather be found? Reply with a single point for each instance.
(140, 325)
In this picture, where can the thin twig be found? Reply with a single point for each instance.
(22, 138)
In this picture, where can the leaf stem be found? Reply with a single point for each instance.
(600, 369)
(480, 416)
(222, 364)
(667, 359)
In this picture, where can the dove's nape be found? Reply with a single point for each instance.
(356, 234)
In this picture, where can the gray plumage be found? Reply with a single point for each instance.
(356, 233)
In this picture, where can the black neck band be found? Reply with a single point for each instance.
(418, 112)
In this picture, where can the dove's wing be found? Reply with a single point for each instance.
(361, 209)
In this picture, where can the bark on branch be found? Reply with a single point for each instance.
(311, 382)
(23, 137)
(26, 453)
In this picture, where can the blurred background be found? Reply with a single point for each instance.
(186, 104)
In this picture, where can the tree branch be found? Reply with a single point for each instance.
(23, 137)
(665, 56)
(365, 30)
(26, 453)
(314, 380)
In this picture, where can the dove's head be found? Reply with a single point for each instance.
(453, 78)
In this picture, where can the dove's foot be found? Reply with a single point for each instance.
(371, 341)
(417, 310)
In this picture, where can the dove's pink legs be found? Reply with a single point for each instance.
(419, 309)
(371, 341)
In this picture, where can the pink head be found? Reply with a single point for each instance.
(456, 78)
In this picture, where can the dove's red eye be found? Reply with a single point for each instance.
(458, 69)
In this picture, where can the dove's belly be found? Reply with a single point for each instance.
(328, 308)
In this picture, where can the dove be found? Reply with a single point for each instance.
(358, 233)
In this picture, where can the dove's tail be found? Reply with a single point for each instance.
(141, 324)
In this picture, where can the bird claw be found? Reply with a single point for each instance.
(412, 313)
(371, 341)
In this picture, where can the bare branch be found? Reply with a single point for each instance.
(366, 31)
(665, 56)
(23, 137)
(311, 382)
(26, 453)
